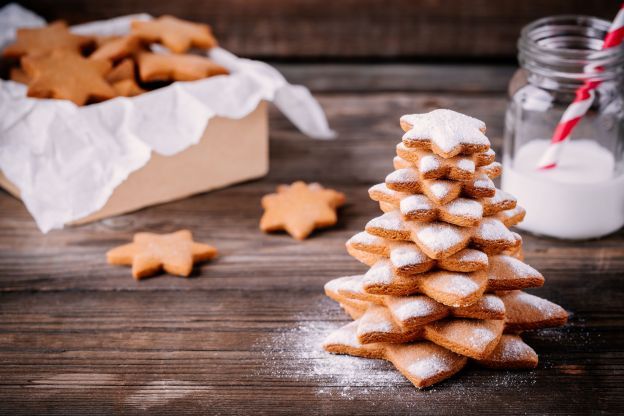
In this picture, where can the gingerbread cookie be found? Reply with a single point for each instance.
(176, 34)
(172, 67)
(41, 41)
(123, 79)
(445, 133)
(117, 48)
(149, 253)
(67, 76)
(300, 208)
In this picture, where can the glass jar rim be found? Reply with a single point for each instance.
(569, 46)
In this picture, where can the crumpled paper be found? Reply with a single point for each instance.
(67, 160)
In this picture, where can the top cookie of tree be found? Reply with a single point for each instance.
(300, 208)
(176, 34)
(445, 132)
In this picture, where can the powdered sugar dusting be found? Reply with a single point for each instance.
(402, 255)
(446, 128)
(545, 307)
(465, 164)
(492, 229)
(500, 196)
(380, 273)
(388, 221)
(412, 307)
(470, 255)
(429, 163)
(483, 181)
(480, 337)
(492, 303)
(345, 335)
(292, 353)
(439, 236)
(463, 207)
(518, 268)
(405, 175)
(513, 348)
(366, 239)
(459, 284)
(440, 189)
(414, 203)
(428, 367)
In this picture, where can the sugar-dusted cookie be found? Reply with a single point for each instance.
(445, 132)
(449, 288)
(432, 166)
(418, 207)
(149, 253)
(472, 338)
(176, 34)
(173, 67)
(423, 363)
(300, 208)
(510, 353)
(117, 48)
(68, 76)
(526, 311)
(41, 41)
(507, 273)
(406, 178)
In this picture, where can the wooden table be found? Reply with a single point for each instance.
(242, 335)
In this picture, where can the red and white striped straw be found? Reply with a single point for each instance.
(583, 100)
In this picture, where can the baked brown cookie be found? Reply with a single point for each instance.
(42, 41)
(68, 76)
(176, 34)
(300, 208)
(150, 253)
(172, 67)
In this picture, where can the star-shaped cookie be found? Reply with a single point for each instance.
(300, 208)
(172, 67)
(445, 132)
(41, 41)
(67, 75)
(117, 48)
(176, 34)
(149, 253)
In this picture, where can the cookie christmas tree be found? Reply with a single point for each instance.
(446, 273)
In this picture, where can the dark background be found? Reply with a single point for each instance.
(344, 30)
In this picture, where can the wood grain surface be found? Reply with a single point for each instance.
(346, 29)
(242, 335)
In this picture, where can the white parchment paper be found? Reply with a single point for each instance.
(67, 160)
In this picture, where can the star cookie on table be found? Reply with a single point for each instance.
(66, 75)
(176, 34)
(171, 67)
(150, 253)
(445, 132)
(41, 41)
(300, 208)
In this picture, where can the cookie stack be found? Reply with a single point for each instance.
(446, 274)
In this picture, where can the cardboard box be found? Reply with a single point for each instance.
(230, 151)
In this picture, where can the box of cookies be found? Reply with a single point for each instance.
(108, 117)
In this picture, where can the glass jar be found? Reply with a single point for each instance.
(583, 197)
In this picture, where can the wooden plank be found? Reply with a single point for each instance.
(359, 78)
(346, 29)
(243, 334)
